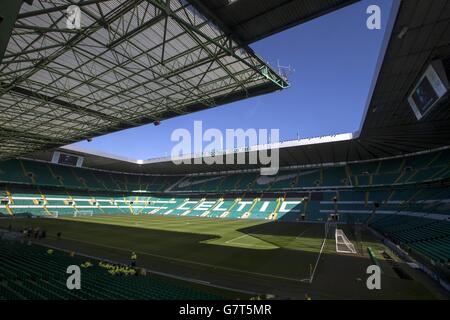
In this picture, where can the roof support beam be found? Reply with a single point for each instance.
(266, 70)
(164, 40)
(137, 30)
(57, 9)
(268, 73)
(70, 106)
(210, 53)
(44, 29)
(6, 133)
(25, 52)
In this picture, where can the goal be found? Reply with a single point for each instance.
(343, 245)
(83, 213)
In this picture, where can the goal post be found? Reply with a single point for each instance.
(343, 245)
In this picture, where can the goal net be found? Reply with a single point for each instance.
(83, 213)
(343, 245)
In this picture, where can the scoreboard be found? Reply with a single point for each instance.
(431, 89)
(67, 159)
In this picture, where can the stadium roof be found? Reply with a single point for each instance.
(313, 150)
(132, 62)
(420, 34)
(252, 20)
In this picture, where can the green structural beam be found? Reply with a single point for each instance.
(266, 70)
(269, 74)
(262, 68)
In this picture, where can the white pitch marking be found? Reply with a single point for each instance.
(246, 244)
(299, 236)
(187, 261)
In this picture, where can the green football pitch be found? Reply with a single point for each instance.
(260, 257)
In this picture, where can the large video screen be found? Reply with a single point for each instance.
(424, 96)
(429, 91)
(67, 159)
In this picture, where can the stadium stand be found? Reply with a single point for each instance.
(427, 236)
(31, 272)
(413, 208)
(406, 185)
(433, 166)
(392, 175)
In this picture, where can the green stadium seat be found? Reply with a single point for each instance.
(27, 272)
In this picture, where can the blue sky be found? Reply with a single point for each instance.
(334, 58)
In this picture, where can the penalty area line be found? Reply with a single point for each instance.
(248, 245)
(237, 238)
